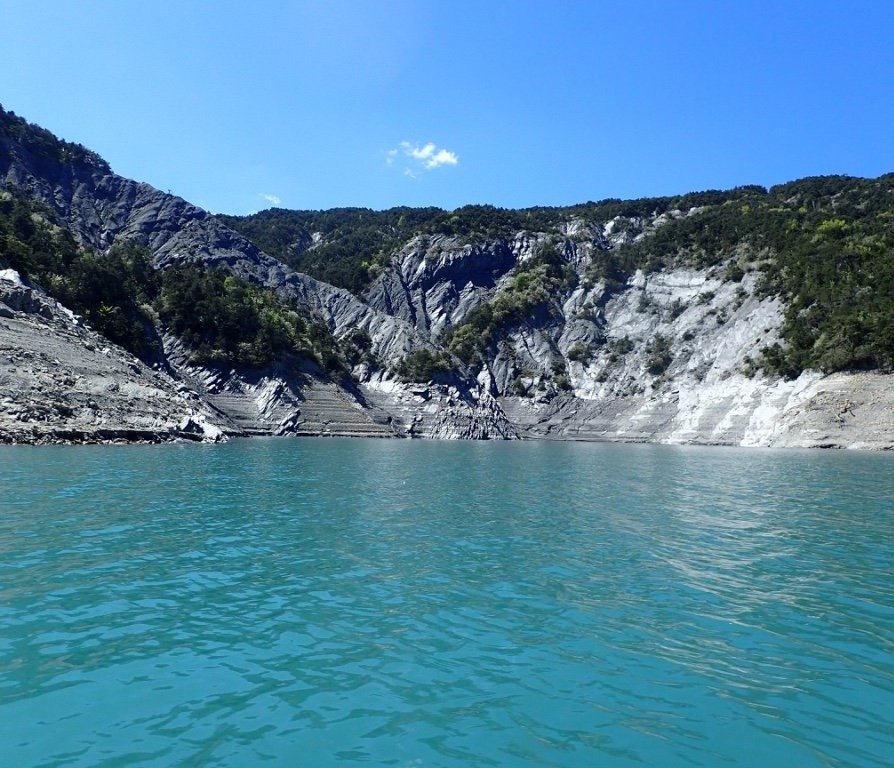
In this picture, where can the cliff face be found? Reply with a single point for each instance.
(668, 355)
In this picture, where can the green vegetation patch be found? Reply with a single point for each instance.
(824, 244)
(112, 292)
(355, 243)
(227, 320)
(44, 147)
(222, 318)
(536, 286)
(424, 365)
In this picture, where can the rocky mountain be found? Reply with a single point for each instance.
(747, 317)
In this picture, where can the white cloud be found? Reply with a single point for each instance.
(422, 157)
(272, 199)
(418, 153)
(442, 157)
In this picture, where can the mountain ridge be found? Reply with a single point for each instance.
(657, 323)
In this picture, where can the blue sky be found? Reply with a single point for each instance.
(320, 103)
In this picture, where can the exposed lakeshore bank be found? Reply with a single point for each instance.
(841, 424)
(62, 383)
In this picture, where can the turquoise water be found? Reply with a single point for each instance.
(394, 603)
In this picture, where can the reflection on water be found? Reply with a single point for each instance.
(330, 602)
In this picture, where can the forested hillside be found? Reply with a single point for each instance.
(222, 318)
(824, 244)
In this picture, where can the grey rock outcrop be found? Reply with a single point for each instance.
(295, 399)
(433, 282)
(440, 411)
(61, 382)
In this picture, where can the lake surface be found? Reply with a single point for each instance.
(395, 603)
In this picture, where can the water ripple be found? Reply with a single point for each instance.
(364, 602)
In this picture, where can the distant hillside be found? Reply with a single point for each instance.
(348, 246)
(825, 244)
